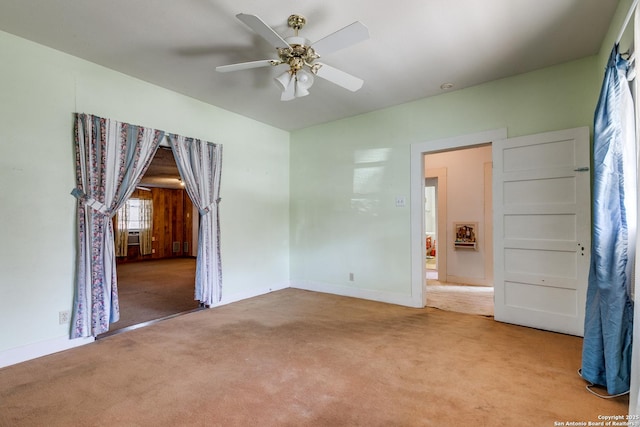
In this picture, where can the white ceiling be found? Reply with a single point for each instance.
(415, 45)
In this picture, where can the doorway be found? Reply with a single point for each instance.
(418, 247)
(431, 227)
(435, 225)
(159, 282)
(540, 181)
(458, 193)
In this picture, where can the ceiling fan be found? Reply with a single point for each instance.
(300, 55)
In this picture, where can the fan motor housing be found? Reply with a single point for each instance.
(298, 53)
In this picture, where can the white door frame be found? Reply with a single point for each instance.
(418, 150)
(441, 225)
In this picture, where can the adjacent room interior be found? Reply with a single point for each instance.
(458, 186)
(156, 255)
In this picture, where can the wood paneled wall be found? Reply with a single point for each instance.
(172, 223)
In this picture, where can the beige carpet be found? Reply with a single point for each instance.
(460, 298)
(298, 358)
(150, 290)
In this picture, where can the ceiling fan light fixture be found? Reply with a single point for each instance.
(300, 91)
(299, 54)
(289, 91)
(284, 79)
(294, 84)
(304, 79)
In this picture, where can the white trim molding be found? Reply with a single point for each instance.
(348, 291)
(44, 348)
(418, 150)
(228, 299)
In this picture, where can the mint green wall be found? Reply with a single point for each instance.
(337, 229)
(40, 89)
(626, 42)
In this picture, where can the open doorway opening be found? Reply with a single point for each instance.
(458, 196)
(156, 254)
(435, 225)
(431, 227)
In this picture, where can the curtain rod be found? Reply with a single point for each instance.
(626, 20)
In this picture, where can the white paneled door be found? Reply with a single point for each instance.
(542, 221)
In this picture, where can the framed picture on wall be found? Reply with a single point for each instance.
(466, 235)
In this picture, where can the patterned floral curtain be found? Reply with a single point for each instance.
(122, 231)
(146, 226)
(199, 163)
(111, 158)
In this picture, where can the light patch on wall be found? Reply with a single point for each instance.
(372, 155)
(367, 180)
(364, 205)
(368, 173)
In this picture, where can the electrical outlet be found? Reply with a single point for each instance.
(64, 317)
(351, 277)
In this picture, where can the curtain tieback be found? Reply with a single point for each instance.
(207, 209)
(91, 202)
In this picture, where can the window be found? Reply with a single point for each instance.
(133, 215)
(133, 226)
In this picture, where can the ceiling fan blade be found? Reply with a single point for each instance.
(347, 36)
(339, 77)
(260, 27)
(246, 65)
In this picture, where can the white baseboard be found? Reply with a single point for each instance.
(39, 349)
(44, 348)
(228, 299)
(368, 294)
